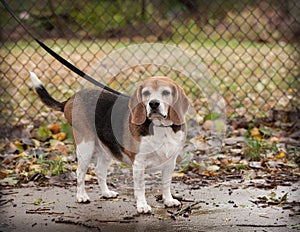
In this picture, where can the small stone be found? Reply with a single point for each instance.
(255, 164)
(208, 125)
(213, 168)
(235, 140)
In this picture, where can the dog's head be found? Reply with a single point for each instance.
(160, 100)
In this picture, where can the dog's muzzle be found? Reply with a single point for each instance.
(154, 109)
(154, 104)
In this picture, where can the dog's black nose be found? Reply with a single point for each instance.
(154, 104)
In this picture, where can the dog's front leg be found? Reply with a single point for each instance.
(139, 187)
(167, 172)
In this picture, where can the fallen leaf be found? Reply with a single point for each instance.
(22, 154)
(8, 181)
(254, 132)
(37, 201)
(291, 165)
(209, 173)
(284, 198)
(89, 177)
(67, 129)
(36, 142)
(280, 155)
(19, 145)
(178, 174)
(3, 174)
(60, 136)
(273, 140)
(43, 132)
(55, 128)
(35, 167)
(272, 194)
(212, 116)
(2, 145)
(296, 227)
(22, 165)
(91, 172)
(265, 130)
(54, 144)
(9, 159)
(263, 198)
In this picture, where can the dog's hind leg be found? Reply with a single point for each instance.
(84, 151)
(103, 162)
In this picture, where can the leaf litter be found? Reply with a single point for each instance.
(266, 148)
(257, 154)
(47, 153)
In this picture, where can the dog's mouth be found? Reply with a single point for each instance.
(155, 114)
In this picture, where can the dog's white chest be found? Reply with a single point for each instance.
(164, 145)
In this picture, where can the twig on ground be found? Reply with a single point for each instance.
(184, 209)
(255, 225)
(8, 193)
(4, 202)
(42, 211)
(69, 221)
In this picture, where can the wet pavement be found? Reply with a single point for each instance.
(220, 207)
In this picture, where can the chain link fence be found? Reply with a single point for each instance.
(250, 48)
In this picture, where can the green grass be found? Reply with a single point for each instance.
(54, 166)
(252, 77)
(255, 149)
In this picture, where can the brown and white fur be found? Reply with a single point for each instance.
(146, 130)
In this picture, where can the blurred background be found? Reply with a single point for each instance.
(251, 49)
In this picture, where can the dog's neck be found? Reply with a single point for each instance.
(174, 127)
(162, 123)
(147, 128)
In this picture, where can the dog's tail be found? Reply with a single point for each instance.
(44, 95)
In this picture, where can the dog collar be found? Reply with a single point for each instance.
(174, 127)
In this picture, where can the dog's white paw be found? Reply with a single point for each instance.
(143, 208)
(82, 197)
(110, 194)
(172, 203)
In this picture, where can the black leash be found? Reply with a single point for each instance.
(58, 57)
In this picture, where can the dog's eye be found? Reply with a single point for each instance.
(165, 93)
(146, 93)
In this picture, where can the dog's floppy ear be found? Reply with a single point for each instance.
(178, 110)
(137, 108)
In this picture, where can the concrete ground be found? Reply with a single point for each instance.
(221, 207)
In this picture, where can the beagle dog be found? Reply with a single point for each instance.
(146, 130)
